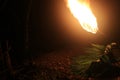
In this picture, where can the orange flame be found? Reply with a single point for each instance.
(80, 9)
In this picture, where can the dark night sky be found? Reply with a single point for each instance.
(53, 26)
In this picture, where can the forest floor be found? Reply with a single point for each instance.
(55, 65)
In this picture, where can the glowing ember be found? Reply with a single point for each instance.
(81, 11)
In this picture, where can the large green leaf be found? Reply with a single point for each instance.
(81, 63)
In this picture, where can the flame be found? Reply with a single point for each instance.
(80, 9)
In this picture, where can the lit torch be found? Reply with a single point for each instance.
(80, 9)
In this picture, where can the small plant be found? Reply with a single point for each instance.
(81, 63)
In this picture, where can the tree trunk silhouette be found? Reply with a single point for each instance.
(7, 59)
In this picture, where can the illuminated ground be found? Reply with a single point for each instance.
(54, 65)
(57, 64)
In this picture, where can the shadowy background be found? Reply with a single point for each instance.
(51, 26)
